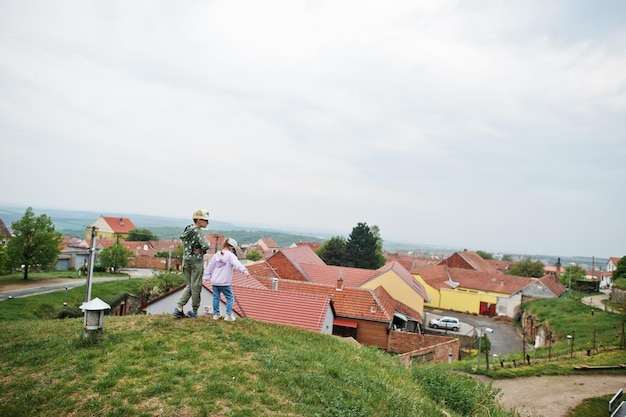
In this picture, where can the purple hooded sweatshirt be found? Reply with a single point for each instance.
(220, 269)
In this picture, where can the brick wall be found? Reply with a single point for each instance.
(154, 263)
(372, 333)
(426, 348)
(456, 261)
(284, 268)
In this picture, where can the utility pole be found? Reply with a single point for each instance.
(92, 259)
(169, 259)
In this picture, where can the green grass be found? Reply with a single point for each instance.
(162, 366)
(592, 407)
(157, 365)
(47, 305)
(596, 342)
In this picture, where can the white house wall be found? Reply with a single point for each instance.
(508, 306)
(167, 304)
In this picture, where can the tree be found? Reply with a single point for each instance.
(334, 251)
(484, 255)
(253, 255)
(364, 247)
(141, 235)
(528, 268)
(3, 259)
(572, 274)
(507, 258)
(35, 244)
(115, 256)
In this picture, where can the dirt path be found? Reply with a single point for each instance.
(553, 396)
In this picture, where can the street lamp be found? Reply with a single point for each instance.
(65, 299)
(480, 338)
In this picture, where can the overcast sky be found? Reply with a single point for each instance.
(486, 125)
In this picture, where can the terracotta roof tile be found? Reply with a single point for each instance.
(350, 302)
(281, 307)
(329, 274)
(4, 230)
(553, 284)
(262, 269)
(302, 255)
(484, 281)
(119, 224)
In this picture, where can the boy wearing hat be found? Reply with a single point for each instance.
(195, 245)
(220, 272)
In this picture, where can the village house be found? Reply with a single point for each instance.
(465, 284)
(111, 228)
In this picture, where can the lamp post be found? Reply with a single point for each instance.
(480, 337)
(65, 299)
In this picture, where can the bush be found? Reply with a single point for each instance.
(461, 393)
(159, 284)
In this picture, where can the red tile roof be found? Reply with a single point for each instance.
(350, 302)
(119, 225)
(468, 260)
(485, 281)
(4, 230)
(329, 274)
(282, 307)
(302, 255)
(313, 245)
(436, 276)
(553, 284)
(262, 269)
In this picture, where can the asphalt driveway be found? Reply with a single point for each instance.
(505, 338)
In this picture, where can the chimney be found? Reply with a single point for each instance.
(558, 269)
(340, 281)
(275, 284)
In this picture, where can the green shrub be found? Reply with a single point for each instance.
(461, 393)
(159, 284)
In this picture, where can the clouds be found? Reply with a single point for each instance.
(483, 125)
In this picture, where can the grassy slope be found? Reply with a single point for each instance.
(159, 366)
(162, 366)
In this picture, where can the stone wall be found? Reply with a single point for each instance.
(618, 296)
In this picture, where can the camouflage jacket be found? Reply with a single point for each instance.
(193, 238)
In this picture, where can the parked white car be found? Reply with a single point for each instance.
(445, 322)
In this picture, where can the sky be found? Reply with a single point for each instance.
(485, 125)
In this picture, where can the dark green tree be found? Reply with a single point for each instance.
(484, 255)
(527, 268)
(35, 244)
(364, 247)
(115, 256)
(3, 258)
(334, 251)
(507, 258)
(141, 235)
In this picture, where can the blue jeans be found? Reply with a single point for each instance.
(230, 298)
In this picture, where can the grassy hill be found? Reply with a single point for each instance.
(162, 366)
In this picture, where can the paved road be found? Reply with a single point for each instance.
(505, 338)
(61, 284)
